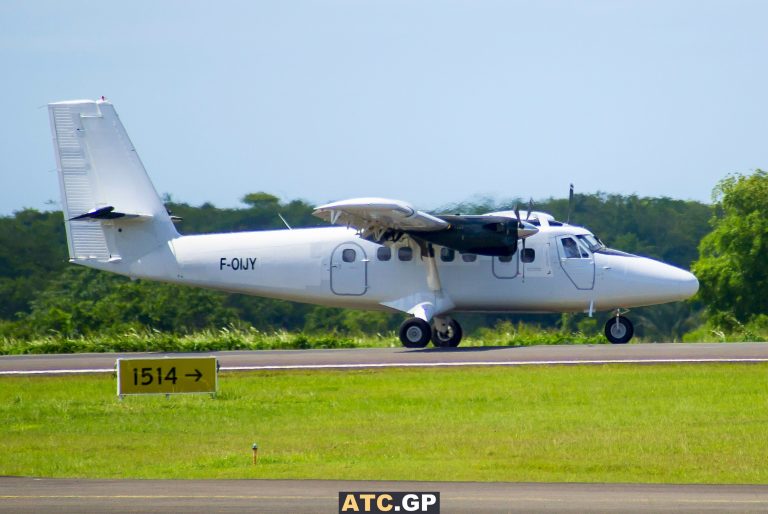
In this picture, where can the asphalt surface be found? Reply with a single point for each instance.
(395, 357)
(63, 496)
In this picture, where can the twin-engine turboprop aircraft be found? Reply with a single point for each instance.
(385, 255)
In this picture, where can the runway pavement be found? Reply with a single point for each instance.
(64, 496)
(402, 357)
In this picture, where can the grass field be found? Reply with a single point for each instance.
(251, 339)
(615, 423)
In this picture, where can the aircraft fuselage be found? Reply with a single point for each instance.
(334, 267)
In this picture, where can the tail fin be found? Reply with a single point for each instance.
(111, 210)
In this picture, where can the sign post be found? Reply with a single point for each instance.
(170, 375)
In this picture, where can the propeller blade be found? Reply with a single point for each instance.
(530, 208)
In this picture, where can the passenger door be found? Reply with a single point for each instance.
(505, 267)
(349, 270)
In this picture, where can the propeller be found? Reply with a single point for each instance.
(524, 229)
(520, 225)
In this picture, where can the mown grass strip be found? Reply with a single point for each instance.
(614, 423)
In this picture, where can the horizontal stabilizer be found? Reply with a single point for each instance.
(105, 213)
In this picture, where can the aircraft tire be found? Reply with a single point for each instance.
(619, 330)
(415, 333)
(450, 339)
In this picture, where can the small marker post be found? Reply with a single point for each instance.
(255, 449)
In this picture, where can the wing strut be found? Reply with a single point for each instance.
(433, 275)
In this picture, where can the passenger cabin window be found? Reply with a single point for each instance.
(384, 253)
(528, 255)
(447, 254)
(348, 255)
(405, 253)
(468, 257)
(505, 258)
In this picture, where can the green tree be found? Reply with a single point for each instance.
(732, 267)
(82, 301)
(33, 250)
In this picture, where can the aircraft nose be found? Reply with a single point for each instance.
(672, 283)
(689, 284)
(644, 281)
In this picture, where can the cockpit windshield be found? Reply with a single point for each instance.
(591, 242)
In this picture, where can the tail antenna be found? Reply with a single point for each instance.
(570, 205)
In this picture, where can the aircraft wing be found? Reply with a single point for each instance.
(371, 214)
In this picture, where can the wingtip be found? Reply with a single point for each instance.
(82, 101)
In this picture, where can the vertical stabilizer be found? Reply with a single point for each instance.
(111, 209)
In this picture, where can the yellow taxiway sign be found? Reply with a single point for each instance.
(167, 375)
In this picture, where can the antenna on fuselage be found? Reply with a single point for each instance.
(286, 223)
(570, 205)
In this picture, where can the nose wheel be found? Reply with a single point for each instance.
(619, 330)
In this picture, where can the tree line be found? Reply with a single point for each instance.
(42, 293)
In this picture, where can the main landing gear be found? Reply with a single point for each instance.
(444, 333)
(619, 330)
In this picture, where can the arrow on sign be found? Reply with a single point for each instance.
(197, 374)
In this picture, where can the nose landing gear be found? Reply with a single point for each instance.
(618, 329)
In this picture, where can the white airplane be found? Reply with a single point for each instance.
(386, 255)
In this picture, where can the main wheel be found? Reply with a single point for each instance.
(448, 339)
(619, 330)
(415, 333)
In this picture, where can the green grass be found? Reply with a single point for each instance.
(614, 423)
(251, 339)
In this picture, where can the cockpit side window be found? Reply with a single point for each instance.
(583, 248)
(572, 250)
(591, 242)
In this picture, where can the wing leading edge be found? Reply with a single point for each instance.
(379, 215)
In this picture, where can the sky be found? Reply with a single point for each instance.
(427, 101)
